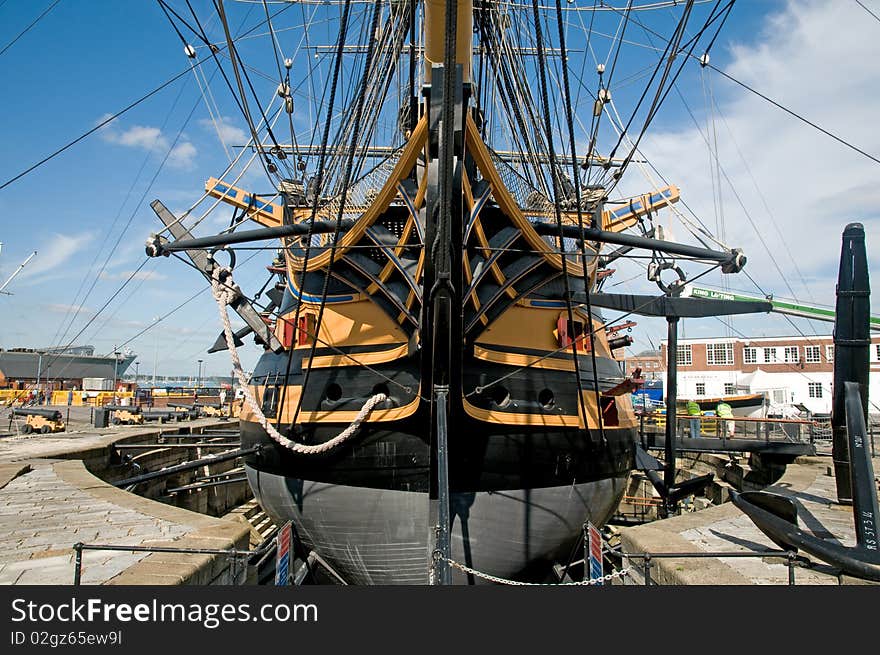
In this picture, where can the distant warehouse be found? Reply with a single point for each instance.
(59, 368)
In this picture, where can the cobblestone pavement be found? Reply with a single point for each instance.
(42, 516)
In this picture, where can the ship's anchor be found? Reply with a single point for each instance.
(776, 515)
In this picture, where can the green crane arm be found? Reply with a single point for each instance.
(779, 306)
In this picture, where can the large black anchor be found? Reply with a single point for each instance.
(776, 515)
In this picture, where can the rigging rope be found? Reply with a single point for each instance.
(27, 29)
(137, 206)
(554, 178)
(580, 219)
(319, 186)
(377, 11)
(225, 291)
(766, 98)
(241, 99)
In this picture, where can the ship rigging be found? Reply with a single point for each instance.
(438, 383)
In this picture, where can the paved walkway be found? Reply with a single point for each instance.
(725, 528)
(42, 515)
(49, 501)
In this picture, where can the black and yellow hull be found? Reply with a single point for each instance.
(523, 475)
(535, 449)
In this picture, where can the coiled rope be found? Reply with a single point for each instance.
(225, 291)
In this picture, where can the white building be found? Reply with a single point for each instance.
(789, 369)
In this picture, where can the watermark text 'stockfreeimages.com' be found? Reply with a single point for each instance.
(208, 615)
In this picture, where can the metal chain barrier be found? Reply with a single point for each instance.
(493, 578)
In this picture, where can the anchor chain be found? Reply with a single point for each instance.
(493, 578)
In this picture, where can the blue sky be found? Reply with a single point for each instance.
(87, 59)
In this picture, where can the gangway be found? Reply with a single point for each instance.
(784, 438)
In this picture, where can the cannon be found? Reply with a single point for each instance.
(182, 409)
(160, 415)
(125, 414)
(39, 419)
(212, 409)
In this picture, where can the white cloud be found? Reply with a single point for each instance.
(228, 133)
(137, 136)
(141, 136)
(58, 250)
(151, 139)
(182, 155)
(813, 185)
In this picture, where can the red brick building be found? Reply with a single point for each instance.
(788, 369)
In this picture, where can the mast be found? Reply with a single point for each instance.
(448, 30)
(435, 36)
(17, 271)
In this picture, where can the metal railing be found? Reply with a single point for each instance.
(766, 429)
(647, 559)
(233, 554)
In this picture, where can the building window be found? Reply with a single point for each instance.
(770, 355)
(778, 396)
(814, 389)
(684, 355)
(812, 354)
(750, 355)
(719, 354)
(829, 353)
(701, 388)
(729, 388)
(791, 354)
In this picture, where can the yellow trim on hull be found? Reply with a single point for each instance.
(356, 359)
(374, 211)
(291, 399)
(519, 359)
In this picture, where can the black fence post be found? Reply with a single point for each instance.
(647, 558)
(77, 571)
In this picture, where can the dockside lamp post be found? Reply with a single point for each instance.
(136, 368)
(199, 378)
(115, 368)
(39, 372)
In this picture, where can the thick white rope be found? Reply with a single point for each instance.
(224, 293)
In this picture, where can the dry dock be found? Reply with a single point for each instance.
(52, 496)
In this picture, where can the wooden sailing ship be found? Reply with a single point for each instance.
(437, 384)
